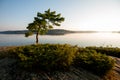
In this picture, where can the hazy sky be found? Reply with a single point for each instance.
(79, 14)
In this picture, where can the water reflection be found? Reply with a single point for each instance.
(80, 39)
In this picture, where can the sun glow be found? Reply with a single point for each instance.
(101, 15)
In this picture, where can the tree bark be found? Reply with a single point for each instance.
(37, 38)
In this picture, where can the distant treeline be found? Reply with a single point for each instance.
(50, 32)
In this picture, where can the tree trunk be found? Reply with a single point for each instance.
(37, 38)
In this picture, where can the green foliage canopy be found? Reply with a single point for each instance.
(43, 22)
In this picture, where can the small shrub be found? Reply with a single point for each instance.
(107, 50)
(95, 62)
(50, 57)
(45, 56)
(2, 55)
(5, 52)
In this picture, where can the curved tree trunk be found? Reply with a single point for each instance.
(37, 38)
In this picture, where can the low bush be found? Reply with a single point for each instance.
(45, 57)
(95, 62)
(2, 55)
(4, 52)
(50, 57)
(107, 50)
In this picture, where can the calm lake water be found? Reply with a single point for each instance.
(80, 39)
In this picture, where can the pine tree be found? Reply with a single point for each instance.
(43, 22)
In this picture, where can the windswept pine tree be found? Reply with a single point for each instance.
(43, 22)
